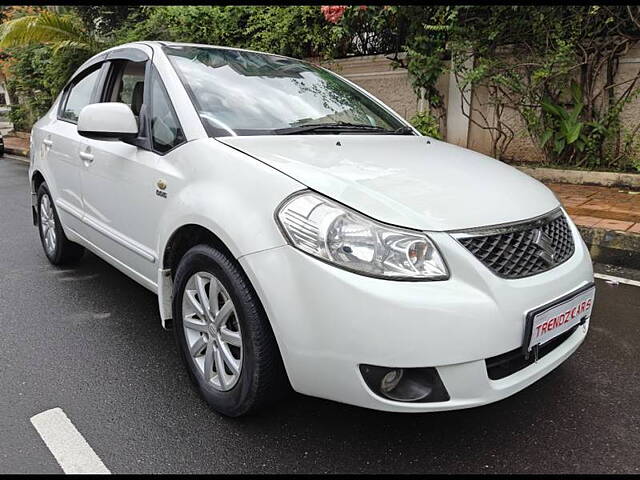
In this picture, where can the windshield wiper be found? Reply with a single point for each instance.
(404, 130)
(332, 127)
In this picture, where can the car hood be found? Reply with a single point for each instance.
(409, 181)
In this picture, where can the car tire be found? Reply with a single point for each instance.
(57, 247)
(253, 374)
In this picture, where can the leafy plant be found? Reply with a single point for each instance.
(564, 134)
(300, 31)
(427, 124)
(554, 67)
(34, 78)
(104, 21)
(50, 28)
(522, 60)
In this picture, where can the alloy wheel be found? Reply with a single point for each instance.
(212, 330)
(48, 224)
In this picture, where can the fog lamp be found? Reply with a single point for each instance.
(405, 384)
(391, 380)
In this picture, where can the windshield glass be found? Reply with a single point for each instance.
(247, 93)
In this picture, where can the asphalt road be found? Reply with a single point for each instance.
(89, 340)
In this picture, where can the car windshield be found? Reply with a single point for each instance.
(248, 93)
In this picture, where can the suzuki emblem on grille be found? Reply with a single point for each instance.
(545, 249)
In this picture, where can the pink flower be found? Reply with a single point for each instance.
(333, 13)
(362, 7)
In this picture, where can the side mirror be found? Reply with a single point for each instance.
(110, 120)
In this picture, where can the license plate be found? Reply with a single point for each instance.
(549, 321)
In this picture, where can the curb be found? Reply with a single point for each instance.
(611, 247)
(582, 177)
(21, 152)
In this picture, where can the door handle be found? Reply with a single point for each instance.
(48, 143)
(86, 157)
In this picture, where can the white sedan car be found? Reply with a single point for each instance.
(299, 233)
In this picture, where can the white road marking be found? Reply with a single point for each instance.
(611, 278)
(68, 446)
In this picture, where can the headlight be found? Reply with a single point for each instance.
(334, 233)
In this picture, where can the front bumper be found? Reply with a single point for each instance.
(327, 321)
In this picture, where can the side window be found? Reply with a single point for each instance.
(166, 132)
(127, 85)
(79, 96)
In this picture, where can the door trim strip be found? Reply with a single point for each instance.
(100, 227)
(70, 209)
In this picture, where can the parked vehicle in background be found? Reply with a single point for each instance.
(299, 232)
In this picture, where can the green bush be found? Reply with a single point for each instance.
(26, 83)
(36, 76)
(293, 31)
(427, 124)
(19, 116)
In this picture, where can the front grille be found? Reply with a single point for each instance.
(523, 249)
(506, 364)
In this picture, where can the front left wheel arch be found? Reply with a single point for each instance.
(178, 244)
(186, 237)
